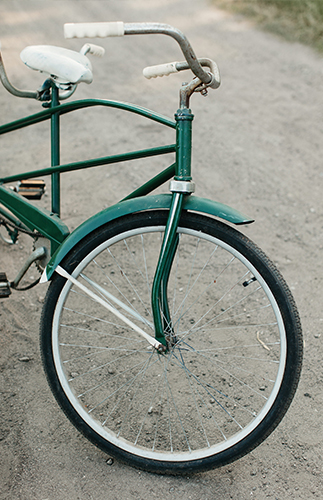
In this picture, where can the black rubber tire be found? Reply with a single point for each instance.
(207, 228)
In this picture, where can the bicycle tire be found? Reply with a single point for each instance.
(225, 384)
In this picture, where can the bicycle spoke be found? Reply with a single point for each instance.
(203, 386)
(112, 298)
(128, 385)
(132, 287)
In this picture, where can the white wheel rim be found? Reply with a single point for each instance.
(147, 453)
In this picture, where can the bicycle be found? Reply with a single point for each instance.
(167, 337)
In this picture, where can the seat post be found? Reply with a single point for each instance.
(55, 151)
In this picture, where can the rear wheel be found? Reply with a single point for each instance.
(225, 384)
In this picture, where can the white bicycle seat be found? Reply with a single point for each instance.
(63, 65)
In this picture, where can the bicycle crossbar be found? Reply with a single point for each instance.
(62, 109)
(106, 160)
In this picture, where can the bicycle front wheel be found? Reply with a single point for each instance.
(231, 373)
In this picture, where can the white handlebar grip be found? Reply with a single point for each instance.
(93, 30)
(95, 50)
(160, 70)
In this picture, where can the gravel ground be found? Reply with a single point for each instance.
(257, 147)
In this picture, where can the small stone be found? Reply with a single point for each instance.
(24, 359)
(110, 461)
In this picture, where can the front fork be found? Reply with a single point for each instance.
(181, 186)
(161, 313)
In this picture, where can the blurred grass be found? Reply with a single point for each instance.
(295, 20)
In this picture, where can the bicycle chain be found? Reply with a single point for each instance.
(4, 222)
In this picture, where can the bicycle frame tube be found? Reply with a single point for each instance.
(42, 220)
(184, 118)
(34, 218)
(69, 107)
(55, 153)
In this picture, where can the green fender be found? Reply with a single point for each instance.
(140, 204)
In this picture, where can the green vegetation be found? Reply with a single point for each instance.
(296, 20)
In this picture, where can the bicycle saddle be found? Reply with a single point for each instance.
(63, 65)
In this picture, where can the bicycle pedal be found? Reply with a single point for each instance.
(32, 189)
(4, 286)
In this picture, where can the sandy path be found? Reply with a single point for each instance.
(258, 146)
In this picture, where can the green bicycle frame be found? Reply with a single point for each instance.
(48, 223)
(25, 215)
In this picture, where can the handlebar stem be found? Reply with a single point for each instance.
(186, 91)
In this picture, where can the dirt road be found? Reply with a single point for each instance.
(258, 147)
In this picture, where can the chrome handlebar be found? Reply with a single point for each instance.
(103, 30)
